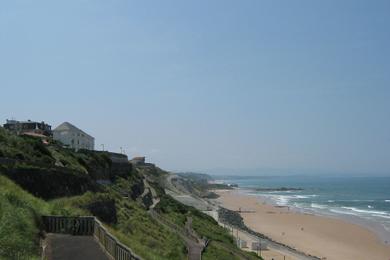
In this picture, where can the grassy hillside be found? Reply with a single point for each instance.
(31, 151)
(57, 181)
(19, 221)
(132, 225)
(221, 246)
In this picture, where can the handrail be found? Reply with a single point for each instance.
(89, 226)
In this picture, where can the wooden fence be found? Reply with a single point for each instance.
(89, 226)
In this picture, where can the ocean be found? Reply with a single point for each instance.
(362, 200)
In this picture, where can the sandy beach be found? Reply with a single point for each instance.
(327, 238)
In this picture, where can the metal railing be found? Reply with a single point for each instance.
(89, 226)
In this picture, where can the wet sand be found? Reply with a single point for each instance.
(327, 238)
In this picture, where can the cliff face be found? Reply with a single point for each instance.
(120, 169)
(108, 171)
(105, 165)
(49, 183)
(137, 189)
(105, 210)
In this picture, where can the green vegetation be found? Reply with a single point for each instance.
(20, 224)
(32, 151)
(50, 171)
(24, 148)
(133, 226)
(214, 252)
(19, 221)
(145, 236)
(205, 226)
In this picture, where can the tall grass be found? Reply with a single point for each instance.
(19, 221)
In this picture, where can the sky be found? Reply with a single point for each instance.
(235, 87)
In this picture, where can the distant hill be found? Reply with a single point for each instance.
(195, 176)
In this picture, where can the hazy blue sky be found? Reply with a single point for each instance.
(198, 85)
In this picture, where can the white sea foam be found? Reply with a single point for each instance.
(339, 211)
(318, 206)
(381, 216)
(383, 213)
(282, 200)
(356, 200)
(304, 196)
(299, 201)
(285, 199)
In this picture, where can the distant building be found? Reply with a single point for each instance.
(138, 160)
(33, 128)
(73, 137)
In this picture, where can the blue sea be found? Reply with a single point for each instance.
(362, 200)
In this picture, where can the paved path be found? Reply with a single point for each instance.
(68, 247)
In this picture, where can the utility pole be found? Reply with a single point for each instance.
(121, 150)
(102, 147)
(260, 246)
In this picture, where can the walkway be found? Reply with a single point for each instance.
(66, 247)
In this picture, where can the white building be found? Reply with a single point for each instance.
(73, 137)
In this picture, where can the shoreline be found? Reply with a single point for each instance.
(322, 236)
(374, 227)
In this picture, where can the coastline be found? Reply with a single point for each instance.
(377, 228)
(321, 236)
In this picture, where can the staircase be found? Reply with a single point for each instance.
(82, 238)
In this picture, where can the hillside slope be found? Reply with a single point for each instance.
(38, 179)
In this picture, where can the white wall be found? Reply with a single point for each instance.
(75, 139)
